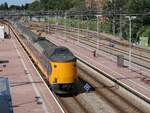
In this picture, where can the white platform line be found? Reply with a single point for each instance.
(45, 109)
(31, 79)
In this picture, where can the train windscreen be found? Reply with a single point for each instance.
(62, 54)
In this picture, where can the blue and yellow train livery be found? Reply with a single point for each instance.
(58, 64)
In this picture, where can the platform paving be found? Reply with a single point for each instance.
(28, 91)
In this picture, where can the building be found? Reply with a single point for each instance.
(94, 4)
(88, 4)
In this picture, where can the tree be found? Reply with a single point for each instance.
(56, 4)
(4, 6)
(35, 6)
(130, 7)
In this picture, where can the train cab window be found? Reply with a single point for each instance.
(61, 54)
(62, 51)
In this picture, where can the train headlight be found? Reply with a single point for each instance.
(55, 80)
(55, 66)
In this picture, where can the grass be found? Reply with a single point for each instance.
(82, 24)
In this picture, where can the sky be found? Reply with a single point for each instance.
(16, 2)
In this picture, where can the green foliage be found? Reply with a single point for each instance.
(131, 7)
(83, 24)
(141, 23)
(140, 26)
(13, 7)
(35, 6)
(138, 6)
(146, 32)
(56, 4)
(4, 6)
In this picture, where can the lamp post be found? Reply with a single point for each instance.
(48, 23)
(65, 26)
(78, 29)
(98, 40)
(130, 18)
(113, 2)
(120, 33)
(87, 26)
(56, 23)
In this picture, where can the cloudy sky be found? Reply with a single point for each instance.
(16, 2)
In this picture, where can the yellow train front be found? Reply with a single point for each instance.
(58, 64)
(62, 70)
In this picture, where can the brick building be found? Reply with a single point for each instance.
(88, 3)
(94, 4)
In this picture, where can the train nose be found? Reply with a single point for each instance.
(64, 73)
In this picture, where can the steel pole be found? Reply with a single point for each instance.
(65, 26)
(130, 38)
(87, 27)
(120, 34)
(78, 30)
(130, 49)
(97, 34)
(56, 24)
(48, 24)
(114, 27)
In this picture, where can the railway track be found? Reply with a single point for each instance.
(91, 36)
(140, 56)
(103, 99)
(100, 100)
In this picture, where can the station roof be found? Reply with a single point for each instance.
(5, 98)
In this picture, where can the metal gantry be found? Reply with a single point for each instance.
(78, 15)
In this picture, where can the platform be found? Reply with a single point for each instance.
(131, 78)
(28, 91)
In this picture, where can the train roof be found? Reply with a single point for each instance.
(44, 43)
(45, 46)
(50, 50)
(26, 33)
(53, 52)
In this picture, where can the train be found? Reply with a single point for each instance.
(57, 63)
